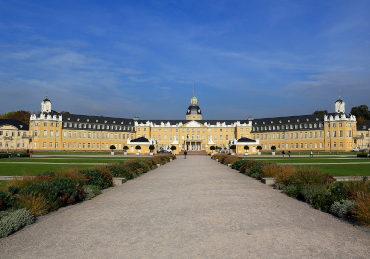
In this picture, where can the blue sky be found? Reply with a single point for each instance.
(121, 58)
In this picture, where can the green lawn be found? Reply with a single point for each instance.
(293, 160)
(340, 169)
(322, 153)
(81, 160)
(21, 169)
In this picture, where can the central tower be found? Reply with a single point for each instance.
(194, 112)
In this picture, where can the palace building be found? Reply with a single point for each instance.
(53, 131)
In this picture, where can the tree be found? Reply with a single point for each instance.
(212, 148)
(233, 147)
(360, 120)
(321, 112)
(22, 116)
(151, 148)
(125, 148)
(112, 147)
(137, 148)
(361, 111)
(259, 148)
(173, 148)
(64, 112)
(273, 148)
(246, 148)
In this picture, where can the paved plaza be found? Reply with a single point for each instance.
(189, 208)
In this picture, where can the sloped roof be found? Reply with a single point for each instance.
(141, 139)
(364, 126)
(246, 140)
(16, 123)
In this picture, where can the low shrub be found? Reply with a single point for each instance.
(89, 194)
(284, 176)
(98, 176)
(361, 209)
(230, 160)
(58, 192)
(37, 204)
(342, 208)
(311, 175)
(245, 168)
(309, 192)
(362, 154)
(11, 222)
(323, 200)
(270, 170)
(238, 164)
(21, 182)
(73, 174)
(96, 190)
(357, 185)
(137, 166)
(291, 190)
(6, 201)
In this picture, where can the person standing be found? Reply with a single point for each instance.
(311, 154)
(289, 153)
(185, 153)
(283, 153)
(31, 153)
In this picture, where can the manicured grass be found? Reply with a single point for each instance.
(29, 169)
(81, 160)
(340, 169)
(322, 153)
(344, 170)
(314, 160)
(77, 153)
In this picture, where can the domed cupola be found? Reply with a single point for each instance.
(339, 106)
(46, 105)
(194, 112)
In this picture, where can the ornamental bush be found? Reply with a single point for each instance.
(37, 204)
(11, 222)
(6, 201)
(58, 192)
(342, 208)
(98, 176)
(230, 160)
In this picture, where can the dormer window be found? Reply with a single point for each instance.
(307, 119)
(105, 121)
(68, 118)
(297, 120)
(288, 120)
(317, 119)
(78, 119)
(87, 120)
(114, 121)
(97, 121)
(263, 122)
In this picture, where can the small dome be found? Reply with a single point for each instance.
(250, 118)
(193, 110)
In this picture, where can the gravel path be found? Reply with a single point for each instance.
(193, 208)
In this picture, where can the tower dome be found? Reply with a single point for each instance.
(194, 112)
(46, 105)
(339, 106)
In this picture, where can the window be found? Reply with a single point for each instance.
(45, 133)
(69, 134)
(51, 144)
(57, 133)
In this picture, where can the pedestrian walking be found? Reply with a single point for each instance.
(185, 153)
(31, 153)
(283, 153)
(311, 154)
(289, 153)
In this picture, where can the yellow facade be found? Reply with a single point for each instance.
(71, 132)
(13, 136)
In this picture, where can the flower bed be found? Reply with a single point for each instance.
(350, 199)
(24, 198)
